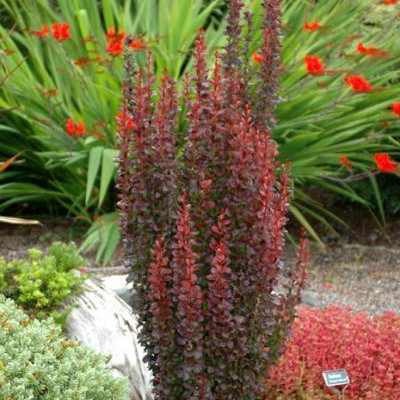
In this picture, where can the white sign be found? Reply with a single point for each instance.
(336, 377)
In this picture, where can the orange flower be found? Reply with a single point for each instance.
(314, 65)
(73, 129)
(43, 32)
(257, 58)
(115, 44)
(61, 31)
(112, 35)
(125, 122)
(396, 108)
(345, 162)
(115, 47)
(358, 83)
(384, 163)
(136, 45)
(371, 51)
(79, 128)
(311, 27)
(365, 50)
(390, 2)
(70, 126)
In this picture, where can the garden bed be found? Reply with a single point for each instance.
(361, 270)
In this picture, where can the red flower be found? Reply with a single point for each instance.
(257, 58)
(115, 47)
(311, 27)
(396, 108)
(314, 65)
(136, 45)
(365, 50)
(384, 163)
(345, 162)
(358, 83)
(70, 126)
(115, 44)
(73, 129)
(125, 122)
(390, 2)
(43, 32)
(112, 35)
(371, 51)
(61, 31)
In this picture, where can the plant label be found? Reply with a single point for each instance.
(336, 377)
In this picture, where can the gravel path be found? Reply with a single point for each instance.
(365, 277)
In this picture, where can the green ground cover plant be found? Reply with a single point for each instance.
(63, 92)
(38, 363)
(42, 283)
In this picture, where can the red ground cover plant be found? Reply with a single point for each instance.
(203, 210)
(367, 347)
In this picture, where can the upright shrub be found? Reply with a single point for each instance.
(367, 347)
(38, 363)
(203, 210)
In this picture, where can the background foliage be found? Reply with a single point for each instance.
(320, 118)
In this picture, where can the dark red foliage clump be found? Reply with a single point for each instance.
(203, 208)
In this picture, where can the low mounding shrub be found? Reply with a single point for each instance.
(41, 283)
(38, 363)
(210, 197)
(367, 347)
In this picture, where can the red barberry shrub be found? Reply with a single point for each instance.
(203, 210)
(367, 347)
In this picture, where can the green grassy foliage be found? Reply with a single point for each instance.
(320, 118)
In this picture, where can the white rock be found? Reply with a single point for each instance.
(104, 322)
(118, 285)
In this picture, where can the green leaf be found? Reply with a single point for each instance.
(108, 168)
(95, 156)
(303, 221)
